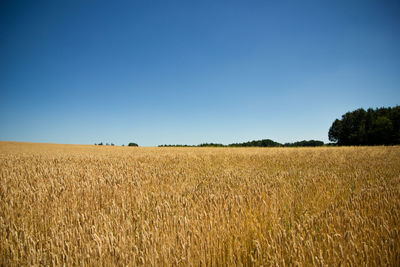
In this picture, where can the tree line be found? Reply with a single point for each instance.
(111, 144)
(380, 126)
(256, 143)
(105, 144)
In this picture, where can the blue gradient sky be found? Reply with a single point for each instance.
(166, 72)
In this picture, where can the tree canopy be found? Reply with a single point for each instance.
(305, 143)
(258, 143)
(132, 144)
(379, 126)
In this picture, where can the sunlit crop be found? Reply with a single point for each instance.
(94, 205)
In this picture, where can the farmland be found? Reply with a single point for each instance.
(93, 205)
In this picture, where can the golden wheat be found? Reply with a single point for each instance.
(93, 205)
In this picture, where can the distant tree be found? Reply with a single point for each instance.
(310, 143)
(210, 145)
(254, 143)
(132, 144)
(372, 127)
(335, 131)
(257, 143)
(100, 144)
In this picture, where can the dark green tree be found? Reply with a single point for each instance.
(335, 131)
(132, 144)
(310, 143)
(372, 127)
(382, 130)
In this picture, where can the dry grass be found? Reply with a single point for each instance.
(87, 205)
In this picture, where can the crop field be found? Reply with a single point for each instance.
(116, 206)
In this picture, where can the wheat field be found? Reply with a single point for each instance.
(122, 206)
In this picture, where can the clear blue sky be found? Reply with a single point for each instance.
(187, 72)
